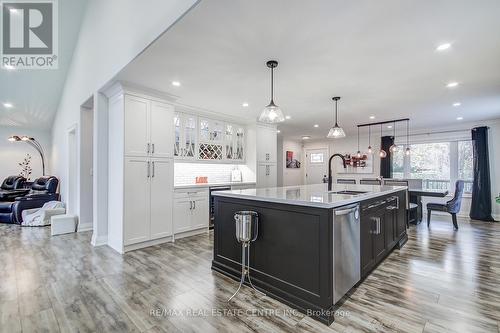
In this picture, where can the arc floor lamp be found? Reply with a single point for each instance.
(32, 142)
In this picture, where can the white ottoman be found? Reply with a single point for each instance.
(62, 224)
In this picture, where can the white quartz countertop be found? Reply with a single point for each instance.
(203, 185)
(312, 195)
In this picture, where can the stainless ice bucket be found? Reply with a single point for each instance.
(247, 226)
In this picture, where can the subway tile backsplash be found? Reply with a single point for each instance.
(186, 173)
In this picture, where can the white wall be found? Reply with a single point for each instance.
(11, 153)
(113, 33)
(349, 144)
(290, 177)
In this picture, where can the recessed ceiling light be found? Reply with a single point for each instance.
(288, 117)
(316, 125)
(9, 67)
(452, 84)
(176, 83)
(443, 47)
(245, 104)
(306, 137)
(8, 105)
(13, 10)
(390, 126)
(457, 104)
(278, 131)
(372, 117)
(460, 118)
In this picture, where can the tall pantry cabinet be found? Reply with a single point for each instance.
(140, 165)
(267, 155)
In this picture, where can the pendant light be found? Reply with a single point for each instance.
(407, 152)
(393, 147)
(358, 154)
(382, 152)
(370, 150)
(336, 132)
(272, 113)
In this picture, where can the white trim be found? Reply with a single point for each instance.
(99, 241)
(87, 226)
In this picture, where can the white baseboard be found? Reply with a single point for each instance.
(85, 226)
(99, 241)
(191, 233)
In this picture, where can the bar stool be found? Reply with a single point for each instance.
(247, 231)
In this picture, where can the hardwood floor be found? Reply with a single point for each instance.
(441, 281)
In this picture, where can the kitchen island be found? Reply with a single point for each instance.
(313, 245)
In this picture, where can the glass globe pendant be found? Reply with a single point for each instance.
(272, 114)
(336, 132)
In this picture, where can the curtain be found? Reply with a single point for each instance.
(386, 163)
(481, 189)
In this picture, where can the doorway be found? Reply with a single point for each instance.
(72, 173)
(316, 165)
(86, 146)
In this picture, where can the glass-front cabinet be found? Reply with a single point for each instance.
(208, 139)
(185, 136)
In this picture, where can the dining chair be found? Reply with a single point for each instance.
(370, 181)
(452, 206)
(346, 181)
(411, 208)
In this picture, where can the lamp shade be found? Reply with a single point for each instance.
(336, 132)
(272, 114)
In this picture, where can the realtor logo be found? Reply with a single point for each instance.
(29, 34)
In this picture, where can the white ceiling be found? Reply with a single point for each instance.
(379, 56)
(35, 94)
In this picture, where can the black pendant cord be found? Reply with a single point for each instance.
(358, 139)
(394, 132)
(272, 85)
(369, 136)
(407, 134)
(336, 114)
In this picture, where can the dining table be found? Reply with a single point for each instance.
(416, 195)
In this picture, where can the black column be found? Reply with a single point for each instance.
(386, 163)
(480, 208)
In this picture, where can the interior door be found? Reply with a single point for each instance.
(162, 176)
(161, 134)
(136, 126)
(316, 165)
(136, 201)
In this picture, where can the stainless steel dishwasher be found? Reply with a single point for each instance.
(346, 250)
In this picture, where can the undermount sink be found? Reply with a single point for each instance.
(348, 192)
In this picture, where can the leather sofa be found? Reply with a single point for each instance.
(43, 189)
(12, 187)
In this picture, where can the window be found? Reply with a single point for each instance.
(438, 164)
(316, 157)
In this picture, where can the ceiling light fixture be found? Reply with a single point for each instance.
(176, 83)
(306, 137)
(443, 47)
(336, 132)
(452, 84)
(9, 67)
(288, 117)
(278, 131)
(8, 105)
(393, 147)
(372, 117)
(245, 105)
(382, 153)
(272, 113)
(370, 150)
(457, 104)
(460, 118)
(407, 151)
(389, 126)
(316, 125)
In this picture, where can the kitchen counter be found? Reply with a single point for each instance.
(313, 245)
(312, 195)
(203, 185)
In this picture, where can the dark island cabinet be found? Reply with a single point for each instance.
(383, 226)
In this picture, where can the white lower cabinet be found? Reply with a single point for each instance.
(147, 199)
(191, 210)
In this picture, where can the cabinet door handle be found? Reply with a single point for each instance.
(152, 148)
(148, 170)
(153, 174)
(190, 205)
(147, 148)
(194, 204)
(377, 226)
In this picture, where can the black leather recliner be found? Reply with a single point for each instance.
(43, 189)
(12, 187)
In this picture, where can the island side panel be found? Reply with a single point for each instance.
(293, 256)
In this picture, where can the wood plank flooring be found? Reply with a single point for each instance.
(441, 281)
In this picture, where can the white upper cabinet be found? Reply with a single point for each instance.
(148, 127)
(161, 133)
(205, 139)
(136, 126)
(267, 144)
(185, 129)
